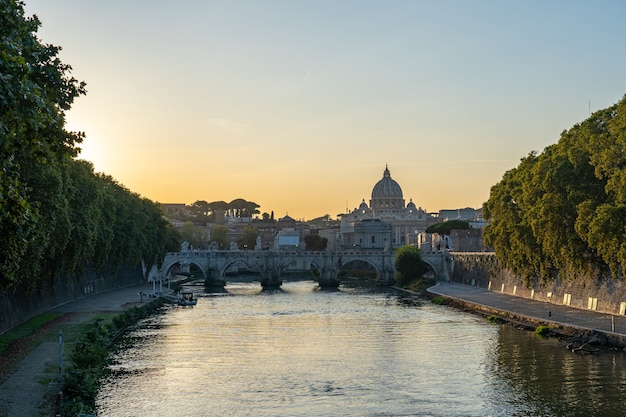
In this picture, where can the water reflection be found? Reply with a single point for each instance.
(531, 370)
(357, 351)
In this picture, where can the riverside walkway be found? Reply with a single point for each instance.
(23, 392)
(556, 316)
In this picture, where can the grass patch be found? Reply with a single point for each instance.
(25, 329)
(88, 359)
(495, 319)
(542, 330)
(439, 300)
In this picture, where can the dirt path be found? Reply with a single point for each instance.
(29, 371)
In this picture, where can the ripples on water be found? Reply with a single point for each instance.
(354, 352)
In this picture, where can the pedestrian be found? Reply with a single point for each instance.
(549, 313)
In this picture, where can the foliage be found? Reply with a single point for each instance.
(219, 235)
(323, 221)
(242, 208)
(56, 215)
(444, 228)
(203, 212)
(495, 319)
(35, 92)
(409, 264)
(542, 330)
(248, 240)
(315, 242)
(89, 357)
(193, 235)
(440, 300)
(563, 211)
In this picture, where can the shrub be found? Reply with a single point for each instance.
(440, 300)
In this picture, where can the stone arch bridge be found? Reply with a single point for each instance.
(271, 264)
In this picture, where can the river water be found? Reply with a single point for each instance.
(359, 351)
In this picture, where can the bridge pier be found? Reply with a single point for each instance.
(271, 281)
(214, 279)
(271, 264)
(329, 279)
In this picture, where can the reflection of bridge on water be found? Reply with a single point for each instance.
(269, 265)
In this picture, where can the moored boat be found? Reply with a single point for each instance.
(186, 298)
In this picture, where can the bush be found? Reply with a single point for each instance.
(90, 357)
(439, 300)
(409, 265)
(495, 319)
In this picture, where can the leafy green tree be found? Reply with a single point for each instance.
(563, 212)
(219, 235)
(57, 217)
(444, 228)
(242, 208)
(315, 242)
(323, 221)
(248, 240)
(202, 211)
(35, 92)
(194, 235)
(409, 264)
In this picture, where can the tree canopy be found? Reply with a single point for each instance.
(409, 264)
(56, 215)
(564, 211)
(205, 212)
(444, 228)
(315, 242)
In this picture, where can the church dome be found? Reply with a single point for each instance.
(363, 205)
(411, 205)
(386, 187)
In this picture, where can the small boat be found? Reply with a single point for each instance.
(186, 298)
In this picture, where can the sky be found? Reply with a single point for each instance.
(298, 105)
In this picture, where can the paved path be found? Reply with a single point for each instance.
(22, 394)
(556, 314)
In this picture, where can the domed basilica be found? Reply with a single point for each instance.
(386, 221)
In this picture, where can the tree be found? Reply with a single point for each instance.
(563, 212)
(315, 242)
(242, 208)
(444, 228)
(202, 210)
(219, 235)
(323, 221)
(35, 92)
(248, 240)
(57, 217)
(409, 264)
(193, 235)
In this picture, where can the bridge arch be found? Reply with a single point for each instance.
(185, 266)
(352, 259)
(270, 264)
(250, 263)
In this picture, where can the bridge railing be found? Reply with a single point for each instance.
(281, 252)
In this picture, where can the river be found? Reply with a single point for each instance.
(359, 351)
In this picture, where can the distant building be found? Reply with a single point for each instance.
(387, 206)
(367, 234)
(288, 240)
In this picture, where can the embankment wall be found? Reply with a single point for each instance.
(482, 269)
(18, 307)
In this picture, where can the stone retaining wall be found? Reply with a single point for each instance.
(18, 307)
(482, 269)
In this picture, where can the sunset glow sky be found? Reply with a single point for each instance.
(298, 105)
